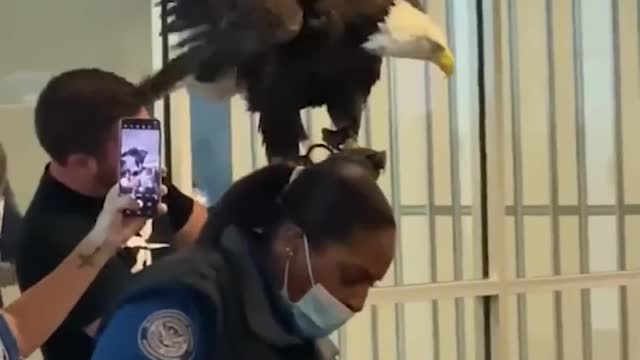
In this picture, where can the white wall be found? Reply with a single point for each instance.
(41, 38)
(49, 37)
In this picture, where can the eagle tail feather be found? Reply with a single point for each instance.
(195, 38)
(186, 15)
(171, 75)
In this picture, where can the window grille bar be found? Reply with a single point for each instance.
(581, 176)
(556, 252)
(620, 185)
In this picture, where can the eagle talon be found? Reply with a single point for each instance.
(339, 139)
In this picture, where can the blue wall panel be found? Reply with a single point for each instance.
(211, 146)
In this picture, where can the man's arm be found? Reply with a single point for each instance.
(44, 306)
(52, 245)
(34, 316)
(187, 217)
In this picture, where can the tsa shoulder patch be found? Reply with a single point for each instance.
(167, 335)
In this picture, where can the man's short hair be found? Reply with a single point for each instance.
(77, 110)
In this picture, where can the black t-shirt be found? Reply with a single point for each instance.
(57, 219)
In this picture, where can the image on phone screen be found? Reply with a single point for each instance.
(140, 169)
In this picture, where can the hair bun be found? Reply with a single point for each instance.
(378, 159)
(375, 161)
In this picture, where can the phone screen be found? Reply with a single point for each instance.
(140, 171)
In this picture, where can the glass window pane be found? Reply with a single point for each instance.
(574, 324)
(434, 330)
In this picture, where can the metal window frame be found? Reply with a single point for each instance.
(499, 286)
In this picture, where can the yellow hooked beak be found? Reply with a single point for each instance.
(446, 62)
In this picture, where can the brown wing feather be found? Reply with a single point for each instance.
(235, 29)
(353, 10)
(417, 4)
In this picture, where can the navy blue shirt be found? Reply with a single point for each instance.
(8, 345)
(170, 323)
(163, 324)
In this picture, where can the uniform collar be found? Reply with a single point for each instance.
(263, 320)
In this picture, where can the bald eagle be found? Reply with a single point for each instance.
(287, 55)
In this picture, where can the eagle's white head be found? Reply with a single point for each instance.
(410, 33)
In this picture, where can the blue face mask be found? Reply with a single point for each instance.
(317, 313)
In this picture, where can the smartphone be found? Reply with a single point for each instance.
(140, 170)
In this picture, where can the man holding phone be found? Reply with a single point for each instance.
(77, 121)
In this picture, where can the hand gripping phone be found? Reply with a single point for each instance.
(140, 166)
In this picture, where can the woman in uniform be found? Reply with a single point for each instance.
(287, 257)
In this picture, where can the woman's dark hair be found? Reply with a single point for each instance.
(328, 200)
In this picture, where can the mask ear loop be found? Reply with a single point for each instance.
(306, 251)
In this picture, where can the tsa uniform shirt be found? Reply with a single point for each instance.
(160, 325)
(8, 345)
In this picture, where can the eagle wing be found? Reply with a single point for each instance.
(416, 4)
(218, 35)
(352, 10)
(234, 23)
